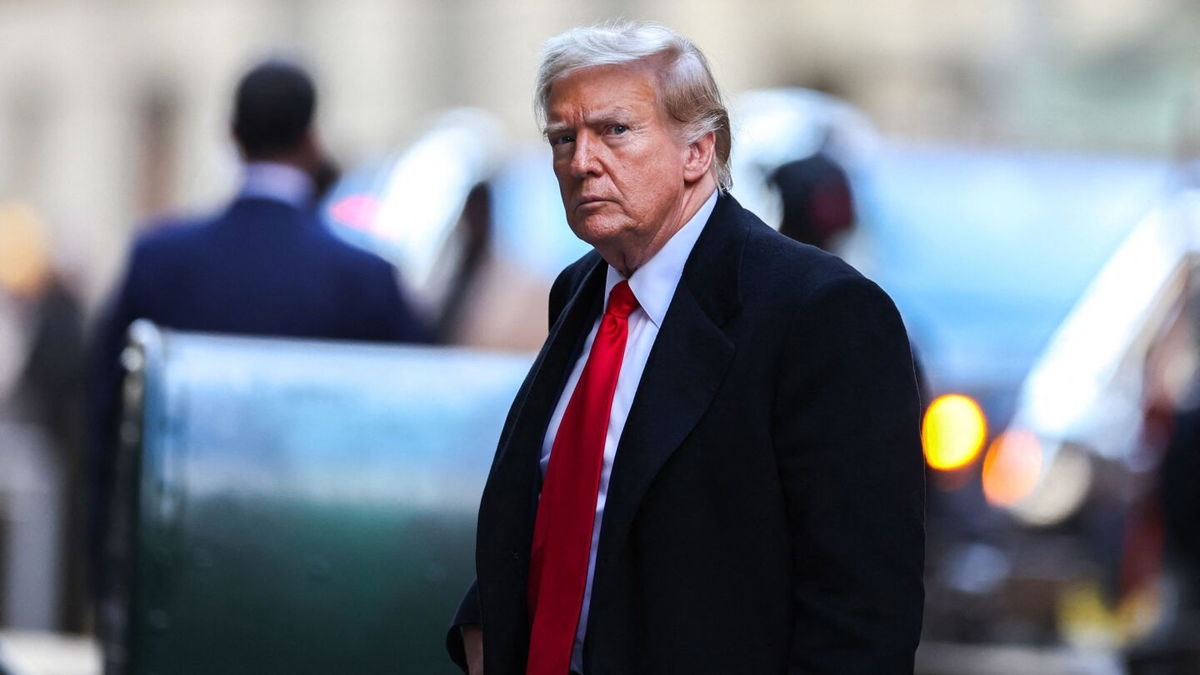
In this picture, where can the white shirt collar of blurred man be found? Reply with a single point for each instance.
(277, 182)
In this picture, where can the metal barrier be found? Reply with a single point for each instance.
(296, 506)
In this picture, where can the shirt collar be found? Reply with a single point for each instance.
(653, 284)
(277, 182)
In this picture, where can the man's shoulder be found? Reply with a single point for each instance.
(354, 259)
(168, 235)
(180, 235)
(798, 265)
(781, 262)
(780, 271)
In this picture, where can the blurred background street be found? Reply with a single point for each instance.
(1021, 176)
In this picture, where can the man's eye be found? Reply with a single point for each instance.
(618, 128)
(562, 140)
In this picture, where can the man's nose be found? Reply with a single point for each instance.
(584, 161)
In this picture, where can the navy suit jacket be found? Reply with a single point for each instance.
(765, 511)
(261, 267)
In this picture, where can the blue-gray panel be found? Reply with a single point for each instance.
(307, 506)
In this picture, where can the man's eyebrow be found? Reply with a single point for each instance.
(618, 113)
(554, 128)
(612, 114)
(614, 110)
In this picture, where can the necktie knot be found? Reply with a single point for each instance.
(621, 301)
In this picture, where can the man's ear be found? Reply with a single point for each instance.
(699, 157)
(308, 151)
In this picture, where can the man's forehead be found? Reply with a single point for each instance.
(605, 109)
(604, 89)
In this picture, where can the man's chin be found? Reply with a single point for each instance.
(597, 229)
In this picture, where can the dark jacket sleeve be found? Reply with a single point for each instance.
(846, 431)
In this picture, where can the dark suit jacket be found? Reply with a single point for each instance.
(261, 267)
(765, 512)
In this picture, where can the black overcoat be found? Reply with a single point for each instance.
(765, 511)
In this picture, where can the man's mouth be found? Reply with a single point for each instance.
(586, 201)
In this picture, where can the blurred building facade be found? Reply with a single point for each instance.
(111, 110)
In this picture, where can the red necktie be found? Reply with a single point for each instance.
(562, 533)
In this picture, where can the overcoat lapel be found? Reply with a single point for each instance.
(686, 366)
(507, 519)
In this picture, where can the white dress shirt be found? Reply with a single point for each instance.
(277, 182)
(653, 284)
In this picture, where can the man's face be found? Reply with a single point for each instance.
(619, 165)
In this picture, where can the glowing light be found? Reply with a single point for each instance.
(953, 432)
(1012, 467)
(1064, 485)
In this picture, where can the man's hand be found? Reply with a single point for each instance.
(472, 636)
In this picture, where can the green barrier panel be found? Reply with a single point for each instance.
(298, 506)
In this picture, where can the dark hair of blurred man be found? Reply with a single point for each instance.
(262, 265)
(817, 202)
(273, 114)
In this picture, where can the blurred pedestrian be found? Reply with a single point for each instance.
(714, 465)
(818, 205)
(48, 401)
(263, 265)
(52, 377)
(52, 387)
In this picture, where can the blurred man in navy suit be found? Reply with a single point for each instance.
(263, 265)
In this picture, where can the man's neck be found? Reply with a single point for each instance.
(694, 197)
(278, 181)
